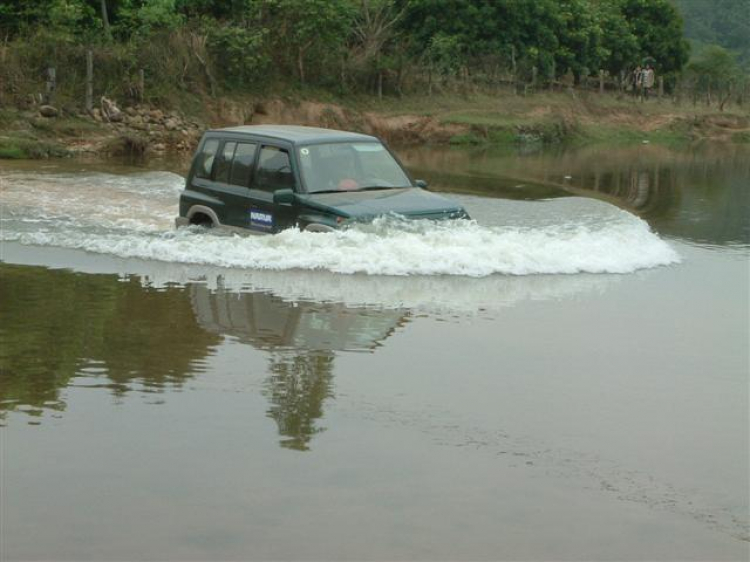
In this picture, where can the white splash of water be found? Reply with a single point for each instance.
(131, 217)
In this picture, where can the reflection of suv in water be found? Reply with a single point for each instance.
(266, 178)
(269, 322)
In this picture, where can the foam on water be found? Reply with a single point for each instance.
(131, 217)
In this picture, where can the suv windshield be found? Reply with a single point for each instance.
(347, 166)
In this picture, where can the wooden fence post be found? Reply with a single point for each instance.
(552, 76)
(89, 81)
(141, 84)
(601, 81)
(661, 86)
(51, 85)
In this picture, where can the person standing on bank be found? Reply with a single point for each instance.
(637, 81)
(647, 80)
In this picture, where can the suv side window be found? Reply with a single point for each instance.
(274, 169)
(242, 165)
(224, 163)
(206, 159)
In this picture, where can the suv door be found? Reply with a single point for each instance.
(274, 170)
(232, 175)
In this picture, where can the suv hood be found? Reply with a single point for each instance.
(410, 202)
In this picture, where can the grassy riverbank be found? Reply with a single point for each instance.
(540, 119)
(576, 117)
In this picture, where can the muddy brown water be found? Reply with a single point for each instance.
(161, 399)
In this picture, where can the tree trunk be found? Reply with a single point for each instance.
(343, 74)
(301, 65)
(105, 20)
(552, 77)
(723, 101)
(207, 71)
(89, 81)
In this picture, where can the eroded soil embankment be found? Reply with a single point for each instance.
(145, 129)
(554, 118)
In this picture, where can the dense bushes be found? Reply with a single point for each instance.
(355, 46)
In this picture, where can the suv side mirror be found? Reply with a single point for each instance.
(421, 184)
(283, 197)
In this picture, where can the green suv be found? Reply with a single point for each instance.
(266, 178)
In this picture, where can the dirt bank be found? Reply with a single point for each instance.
(541, 119)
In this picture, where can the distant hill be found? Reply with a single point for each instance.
(720, 22)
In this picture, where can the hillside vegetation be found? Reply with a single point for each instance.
(383, 47)
(725, 23)
(440, 70)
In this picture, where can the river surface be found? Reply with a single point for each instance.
(563, 378)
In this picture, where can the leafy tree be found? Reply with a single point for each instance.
(374, 31)
(530, 30)
(149, 15)
(473, 26)
(70, 16)
(658, 27)
(305, 27)
(715, 72)
(241, 52)
(231, 11)
(445, 54)
(21, 17)
(579, 36)
(374, 25)
(619, 44)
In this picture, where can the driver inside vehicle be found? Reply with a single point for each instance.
(350, 166)
(338, 166)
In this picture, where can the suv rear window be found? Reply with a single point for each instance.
(224, 163)
(206, 159)
(242, 165)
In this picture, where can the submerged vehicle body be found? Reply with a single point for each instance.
(266, 178)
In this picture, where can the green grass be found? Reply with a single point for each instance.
(502, 136)
(607, 134)
(25, 147)
(10, 152)
(65, 126)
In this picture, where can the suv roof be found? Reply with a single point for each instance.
(297, 134)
